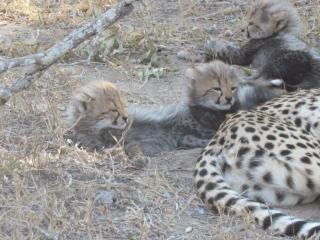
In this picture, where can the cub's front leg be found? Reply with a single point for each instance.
(88, 142)
(229, 52)
(232, 53)
(110, 136)
(136, 155)
(190, 141)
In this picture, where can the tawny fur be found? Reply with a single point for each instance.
(188, 124)
(279, 16)
(96, 106)
(212, 93)
(274, 47)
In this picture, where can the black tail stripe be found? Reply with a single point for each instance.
(313, 231)
(294, 228)
(268, 220)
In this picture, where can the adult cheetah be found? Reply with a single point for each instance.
(266, 156)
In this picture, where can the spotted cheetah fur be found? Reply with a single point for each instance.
(266, 157)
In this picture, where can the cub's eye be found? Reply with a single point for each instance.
(103, 115)
(113, 110)
(217, 89)
(233, 89)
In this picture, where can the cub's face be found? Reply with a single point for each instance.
(101, 106)
(213, 85)
(267, 18)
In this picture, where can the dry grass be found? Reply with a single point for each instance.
(52, 11)
(50, 190)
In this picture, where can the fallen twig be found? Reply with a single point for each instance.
(41, 61)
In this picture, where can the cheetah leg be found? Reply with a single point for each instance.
(272, 196)
(267, 186)
(220, 49)
(190, 141)
(88, 142)
(232, 53)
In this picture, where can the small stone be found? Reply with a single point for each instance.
(199, 210)
(211, 29)
(166, 194)
(188, 56)
(184, 55)
(228, 33)
(188, 229)
(105, 198)
(5, 94)
(62, 108)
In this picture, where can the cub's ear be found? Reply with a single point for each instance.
(193, 74)
(82, 106)
(281, 19)
(83, 101)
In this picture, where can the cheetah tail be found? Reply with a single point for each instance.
(215, 192)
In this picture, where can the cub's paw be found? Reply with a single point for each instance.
(139, 161)
(136, 156)
(110, 137)
(216, 48)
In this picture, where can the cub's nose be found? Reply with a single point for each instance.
(228, 99)
(125, 119)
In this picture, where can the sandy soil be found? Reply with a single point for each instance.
(50, 190)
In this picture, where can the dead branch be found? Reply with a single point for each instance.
(41, 61)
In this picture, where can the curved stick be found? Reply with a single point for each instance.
(41, 61)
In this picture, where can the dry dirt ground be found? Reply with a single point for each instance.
(51, 190)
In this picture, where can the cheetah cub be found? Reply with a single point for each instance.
(267, 156)
(99, 108)
(98, 115)
(190, 123)
(273, 46)
(95, 107)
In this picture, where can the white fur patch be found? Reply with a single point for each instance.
(277, 82)
(244, 91)
(315, 53)
(157, 114)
